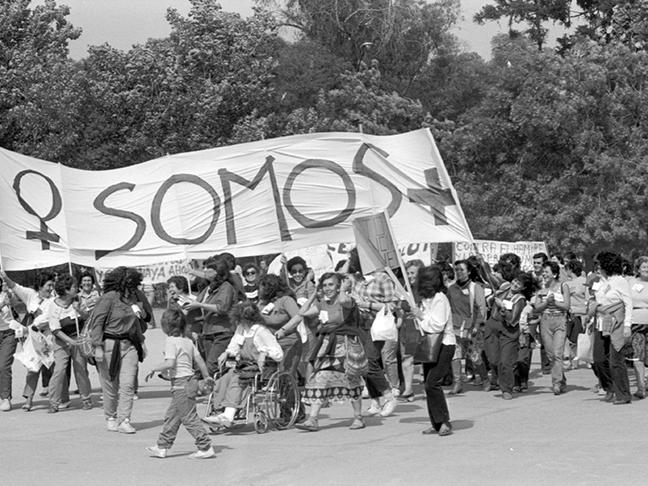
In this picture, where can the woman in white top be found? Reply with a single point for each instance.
(434, 316)
(639, 293)
(65, 322)
(251, 344)
(613, 328)
(35, 300)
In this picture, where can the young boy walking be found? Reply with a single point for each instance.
(180, 354)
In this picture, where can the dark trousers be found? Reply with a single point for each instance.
(619, 374)
(502, 345)
(7, 350)
(376, 381)
(434, 374)
(522, 366)
(215, 345)
(601, 361)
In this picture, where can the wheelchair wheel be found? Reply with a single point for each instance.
(282, 400)
(261, 422)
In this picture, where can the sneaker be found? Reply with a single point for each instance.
(135, 397)
(374, 409)
(206, 454)
(388, 407)
(111, 425)
(53, 409)
(507, 396)
(86, 404)
(44, 392)
(65, 405)
(125, 427)
(5, 405)
(155, 451)
(358, 423)
(396, 392)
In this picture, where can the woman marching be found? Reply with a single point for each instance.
(331, 379)
(434, 316)
(118, 339)
(65, 321)
(553, 304)
(36, 300)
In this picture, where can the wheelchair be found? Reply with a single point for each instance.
(271, 401)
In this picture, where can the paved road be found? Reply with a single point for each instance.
(534, 439)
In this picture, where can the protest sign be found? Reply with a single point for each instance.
(492, 250)
(256, 198)
(156, 273)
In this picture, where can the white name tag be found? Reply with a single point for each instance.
(559, 298)
(637, 287)
(268, 308)
(301, 301)
(323, 316)
(596, 286)
(508, 304)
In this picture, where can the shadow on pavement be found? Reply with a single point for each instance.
(147, 425)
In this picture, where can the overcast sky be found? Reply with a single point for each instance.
(122, 23)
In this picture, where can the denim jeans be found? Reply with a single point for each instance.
(7, 349)
(60, 382)
(118, 394)
(182, 410)
(388, 351)
(553, 332)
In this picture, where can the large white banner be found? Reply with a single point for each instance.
(492, 250)
(273, 195)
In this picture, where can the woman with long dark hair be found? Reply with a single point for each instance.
(118, 338)
(434, 316)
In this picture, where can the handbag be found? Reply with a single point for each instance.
(355, 359)
(84, 342)
(383, 327)
(584, 348)
(428, 348)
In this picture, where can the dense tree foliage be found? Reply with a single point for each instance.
(541, 144)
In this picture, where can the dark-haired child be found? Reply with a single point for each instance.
(180, 354)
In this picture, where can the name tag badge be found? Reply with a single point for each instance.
(596, 286)
(465, 291)
(323, 316)
(508, 304)
(559, 298)
(301, 301)
(268, 308)
(637, 287)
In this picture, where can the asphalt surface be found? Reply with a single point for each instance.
(537, 438)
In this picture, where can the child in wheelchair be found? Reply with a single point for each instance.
(246, 357)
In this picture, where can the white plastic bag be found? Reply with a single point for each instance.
(585, 348)
(384, 326)
(28, 355)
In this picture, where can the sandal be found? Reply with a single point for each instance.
(358, 423)
(28, 405)
(446, 429)
(429, 431)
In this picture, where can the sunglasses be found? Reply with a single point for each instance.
(250, 272)
(297, 271)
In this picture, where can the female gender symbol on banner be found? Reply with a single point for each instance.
(57, 204)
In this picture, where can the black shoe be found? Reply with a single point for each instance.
(609, 397)
(621, 402)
